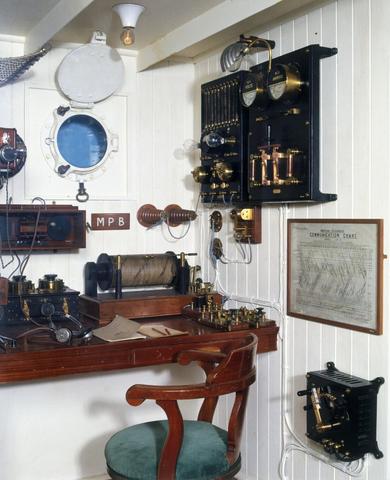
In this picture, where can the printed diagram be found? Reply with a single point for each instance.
(337, 272)
(333, 273)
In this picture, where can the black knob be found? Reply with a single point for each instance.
(50, 277)
(62, 169)
(19, 278)
(301, 393)
(47, 309)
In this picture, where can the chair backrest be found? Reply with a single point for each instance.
(234, 373)
(229, 370)
(237, 370)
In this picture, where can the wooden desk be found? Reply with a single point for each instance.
(42, 360)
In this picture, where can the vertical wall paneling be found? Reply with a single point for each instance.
(59, 432)
(354, 146)
(163, 110)
(345, 112)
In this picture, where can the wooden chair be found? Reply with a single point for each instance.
(174, 449)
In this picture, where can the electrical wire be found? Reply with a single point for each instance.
(246, 258)
(180, 237)
(8, 200)
(353, 469)
(26, 258)
(188, 224)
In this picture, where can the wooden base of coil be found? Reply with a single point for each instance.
(135, 304)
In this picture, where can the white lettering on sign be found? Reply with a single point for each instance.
(107, 221)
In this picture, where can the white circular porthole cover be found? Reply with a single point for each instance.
(90, 73)
(76, 142)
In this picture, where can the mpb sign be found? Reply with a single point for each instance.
(110, 221)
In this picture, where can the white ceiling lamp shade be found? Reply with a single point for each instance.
(129, 14)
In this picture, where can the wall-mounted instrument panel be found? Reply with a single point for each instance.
(260, 138)
(223, 173)
(341, 413)
(42, 227)
(50, 301)
(284, 130)
(13, 154)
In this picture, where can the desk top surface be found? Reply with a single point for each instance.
(42, 358)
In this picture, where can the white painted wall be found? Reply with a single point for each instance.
(56, 430)
(355, 165)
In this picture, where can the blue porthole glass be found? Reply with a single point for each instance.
(82, 141)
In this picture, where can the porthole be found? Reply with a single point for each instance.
(82, 141)
(75, 142)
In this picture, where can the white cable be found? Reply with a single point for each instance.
(354, 469)
(180, 236)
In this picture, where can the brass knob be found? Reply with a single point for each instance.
(223, 170)
(231, 140)
(224, 185)
(214, 186)
(199, 174)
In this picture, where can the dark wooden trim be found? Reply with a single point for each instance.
(52, 360)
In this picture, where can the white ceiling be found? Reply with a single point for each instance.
(167, 28)
(159, 18)
(19, 17)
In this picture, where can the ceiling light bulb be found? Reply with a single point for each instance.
(127, 36)
(129, 14)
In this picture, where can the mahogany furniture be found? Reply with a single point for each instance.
(138, 304)
(177, 449)
(43, 358)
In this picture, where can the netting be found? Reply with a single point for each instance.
(12, 68)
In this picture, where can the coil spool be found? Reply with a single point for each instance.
(137, 270)
(50, 284)
(20, 286)
(148, 215)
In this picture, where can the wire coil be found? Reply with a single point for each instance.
(138, 270)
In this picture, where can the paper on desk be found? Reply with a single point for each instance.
(121, 328)
(158, 330)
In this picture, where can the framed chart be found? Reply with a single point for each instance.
(335, 272)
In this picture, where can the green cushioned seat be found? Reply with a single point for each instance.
(134, 453)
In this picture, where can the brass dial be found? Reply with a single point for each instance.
(200, 174)
(284, 82)
(253, 90)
